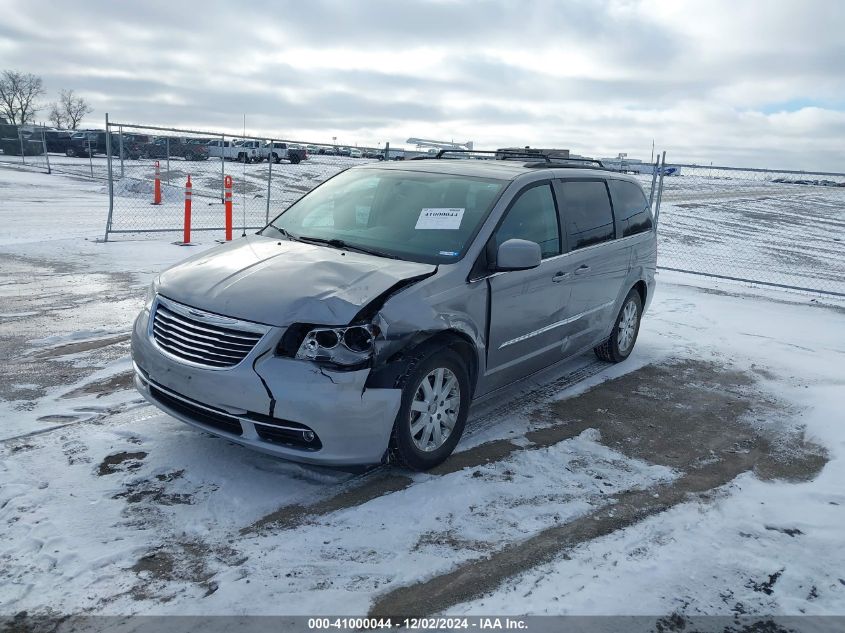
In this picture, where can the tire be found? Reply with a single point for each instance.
(70, 152)
(415, 443)
(626, 327)
(294, 159)
(243, 158)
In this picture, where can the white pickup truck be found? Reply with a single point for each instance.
(242, 151)
(283, 151)
(252, 151)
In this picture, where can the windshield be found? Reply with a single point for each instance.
(415, 216)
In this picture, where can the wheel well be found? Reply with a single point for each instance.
(640, 287)
(464, 347)
(385, 375)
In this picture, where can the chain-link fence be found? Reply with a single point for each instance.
(24, 146)
(778, 228)
(266, 175)
(772, 227)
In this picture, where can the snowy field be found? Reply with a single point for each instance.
(754, 229)
(704, 475)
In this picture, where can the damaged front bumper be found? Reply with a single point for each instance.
(290, 408)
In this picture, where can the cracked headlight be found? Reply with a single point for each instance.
(350, 345)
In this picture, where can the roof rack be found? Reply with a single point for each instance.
(495, 153)
(547, 160)
(589, 163)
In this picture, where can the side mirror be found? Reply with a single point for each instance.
(517, 254)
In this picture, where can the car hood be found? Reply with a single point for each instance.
(279, 282)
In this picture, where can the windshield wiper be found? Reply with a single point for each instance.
(286, 233)
(336, 243)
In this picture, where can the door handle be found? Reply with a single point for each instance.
(560, 276)
(582, 269)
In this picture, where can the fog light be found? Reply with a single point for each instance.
(308, 436)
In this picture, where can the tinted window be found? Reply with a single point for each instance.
(586, 211)
(533, 217)
(631, 207)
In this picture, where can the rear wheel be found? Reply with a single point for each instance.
(243, 158)
(433, 412)
(621, 342)
(294, 158)
(70, 152)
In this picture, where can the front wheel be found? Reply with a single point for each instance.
(620, 344)
(433, 412)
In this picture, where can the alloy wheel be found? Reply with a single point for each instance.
(627, 326)
(434, 409)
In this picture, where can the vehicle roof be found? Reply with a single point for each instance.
(499, 169)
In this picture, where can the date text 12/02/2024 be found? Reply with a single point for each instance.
(456, 624)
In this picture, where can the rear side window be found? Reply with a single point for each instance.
(586, 213)
(631, 207)
(533, 217)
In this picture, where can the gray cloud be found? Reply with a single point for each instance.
(596, 76)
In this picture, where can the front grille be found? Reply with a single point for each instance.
(199, 340)
(216, 420)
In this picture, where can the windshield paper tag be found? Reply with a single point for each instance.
(440, 218)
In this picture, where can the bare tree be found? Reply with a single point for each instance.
(69, 110)
(56, 117)
(19, 93)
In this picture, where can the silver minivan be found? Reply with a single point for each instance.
(358, 326)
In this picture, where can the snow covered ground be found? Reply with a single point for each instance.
(703, 475)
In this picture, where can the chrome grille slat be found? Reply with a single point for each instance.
(197, 337)
(188, 331)
(220, 331)
(198, 344)
(188, 347)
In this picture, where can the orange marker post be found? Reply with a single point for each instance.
(227, 184)
(157, 186)
(187, 237)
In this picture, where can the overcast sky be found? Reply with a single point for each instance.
(734, 82)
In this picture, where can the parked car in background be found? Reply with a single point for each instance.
(83, 144)
(14, 142)
(356, 153)
(358, 326)
(343, 151)
(57, 140)
(247, 151)
(372, 153)
(244, 151)
(162, 147)
(133, 145)
(277, 152)
(330, 151)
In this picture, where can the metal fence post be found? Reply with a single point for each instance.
(44, 145)
(167, 146)
(660, 188)
(387, 150)
(120, 148)
(91, 155)
(111, 184)
(223, 168)
(23, 153)
(653, 183)
(269, 180)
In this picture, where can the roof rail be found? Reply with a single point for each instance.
(587, 163)
(506, 153)
(547, 159)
